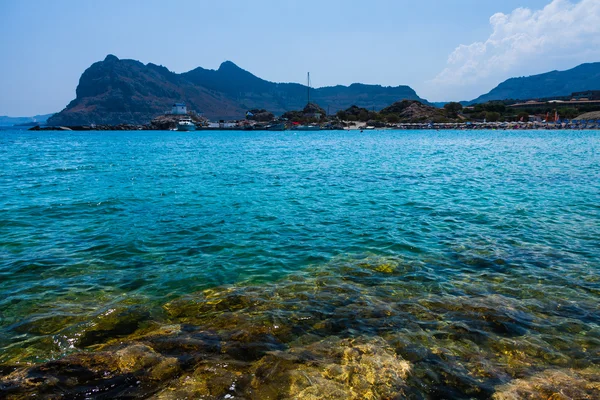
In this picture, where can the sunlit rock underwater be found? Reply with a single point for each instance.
(353, 328)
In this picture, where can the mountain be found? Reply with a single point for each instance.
(551, 84)
(11, 121)
(116, 91)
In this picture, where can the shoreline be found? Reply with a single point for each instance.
(353, 127)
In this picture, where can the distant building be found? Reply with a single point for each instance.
(588, 95)
(555, 103)
(179, 109)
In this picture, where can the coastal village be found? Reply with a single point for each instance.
(581, 110)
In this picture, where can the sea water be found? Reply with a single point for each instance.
(425, 264)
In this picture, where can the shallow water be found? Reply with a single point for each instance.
(445, 264)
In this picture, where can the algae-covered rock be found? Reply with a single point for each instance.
(361, 368)
(165, 369)
(192, 343)
(563, 384)
(210, 380)
(136, 357)
(79, 373)
(198, 307)
(249, 346)
(145, 362)
(132, 371)
(110, 324)
(494, 313)
(384, 265)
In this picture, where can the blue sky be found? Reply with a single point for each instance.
(445, 50)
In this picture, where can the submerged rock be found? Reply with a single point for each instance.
(361, 329)
(137, 357)
(210, 380)
(113, 323)
(553, 384)
(248, 346)
(361, 368)
(80, 373)
(132, 371)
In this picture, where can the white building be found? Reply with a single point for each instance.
(179, 109)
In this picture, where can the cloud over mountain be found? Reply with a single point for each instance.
(564, 33)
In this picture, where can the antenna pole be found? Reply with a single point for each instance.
(308, 87)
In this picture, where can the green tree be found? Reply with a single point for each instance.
(568, 113)
(363, 116)
(453, 108)
(492, 116)
(495, 106)
(393, 119)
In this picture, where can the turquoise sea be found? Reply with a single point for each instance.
(268, 265)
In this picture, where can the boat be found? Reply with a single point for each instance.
(307, 128)
(186, 124)
(275, 127)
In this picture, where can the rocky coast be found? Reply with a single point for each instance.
(120, 127)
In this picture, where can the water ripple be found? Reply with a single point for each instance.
(474, 255)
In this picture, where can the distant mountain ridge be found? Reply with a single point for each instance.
(116, 91)
(11, 121)
(555, 83)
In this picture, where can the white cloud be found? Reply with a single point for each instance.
(526, 41)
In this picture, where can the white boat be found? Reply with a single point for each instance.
(275, 127)
(186, 124)
(307, 128)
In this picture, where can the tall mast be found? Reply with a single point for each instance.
(308, 87)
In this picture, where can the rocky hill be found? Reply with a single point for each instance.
(556, 83)
(414, 111)
(117, 91)
(590, 115)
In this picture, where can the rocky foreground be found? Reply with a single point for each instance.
(316, 336)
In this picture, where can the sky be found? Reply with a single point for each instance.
(447, 50)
